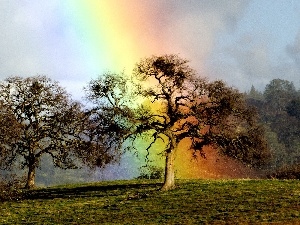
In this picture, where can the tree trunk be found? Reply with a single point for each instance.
(169, 182)
(31, 177)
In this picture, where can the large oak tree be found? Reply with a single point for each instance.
(38, 117)
(190, 108)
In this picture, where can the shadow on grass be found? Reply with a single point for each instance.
(88, 191)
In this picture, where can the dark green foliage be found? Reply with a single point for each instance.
(279, 111)
(287, 172)
(293, 108)
(151, 172)
(278, 93)
(255, 94)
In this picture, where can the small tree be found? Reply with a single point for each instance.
(166, 100)
(38, 117)
(150, 172)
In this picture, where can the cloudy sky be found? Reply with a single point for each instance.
(243, 42)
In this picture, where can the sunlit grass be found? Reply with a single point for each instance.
(140, 202)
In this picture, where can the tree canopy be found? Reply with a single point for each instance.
(279, 111)
(38, 117)
(165, 99)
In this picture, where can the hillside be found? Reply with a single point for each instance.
(139, 202)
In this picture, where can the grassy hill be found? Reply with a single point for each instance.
(140, 202)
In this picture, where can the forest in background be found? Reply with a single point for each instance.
(278, 106)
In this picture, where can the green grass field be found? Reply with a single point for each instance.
(140, 202)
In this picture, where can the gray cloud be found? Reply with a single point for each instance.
(293, 50)
(22, 29)
(185, 27)
(243, 63)
(190, 28)
(249, 60)
(194, 26)
(35, 39)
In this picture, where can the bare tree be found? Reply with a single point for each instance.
(190, 108)
(44, 120)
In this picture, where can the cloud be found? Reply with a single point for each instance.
(188, 28)
(250, 59)
(244, 62)
(23, 28)
(293, 50)
(266, 46)
(35, 38)
(194, 26)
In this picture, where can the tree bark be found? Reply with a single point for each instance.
(31, 177)
(169, 182)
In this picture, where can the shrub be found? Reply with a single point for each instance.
(151, 172)
(287, 172)
(11, 187)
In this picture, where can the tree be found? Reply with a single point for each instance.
(278, 93)
(165, 99)
(10, 131)
(293, 108)
(44, 120)
(279, 112)
(254, 94)
(150, 172)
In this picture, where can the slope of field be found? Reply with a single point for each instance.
(140, 202)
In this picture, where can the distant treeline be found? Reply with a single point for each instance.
(278, 106)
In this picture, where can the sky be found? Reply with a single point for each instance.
(242, 42)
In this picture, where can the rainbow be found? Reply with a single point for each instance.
(114, 32)
(115, 35)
